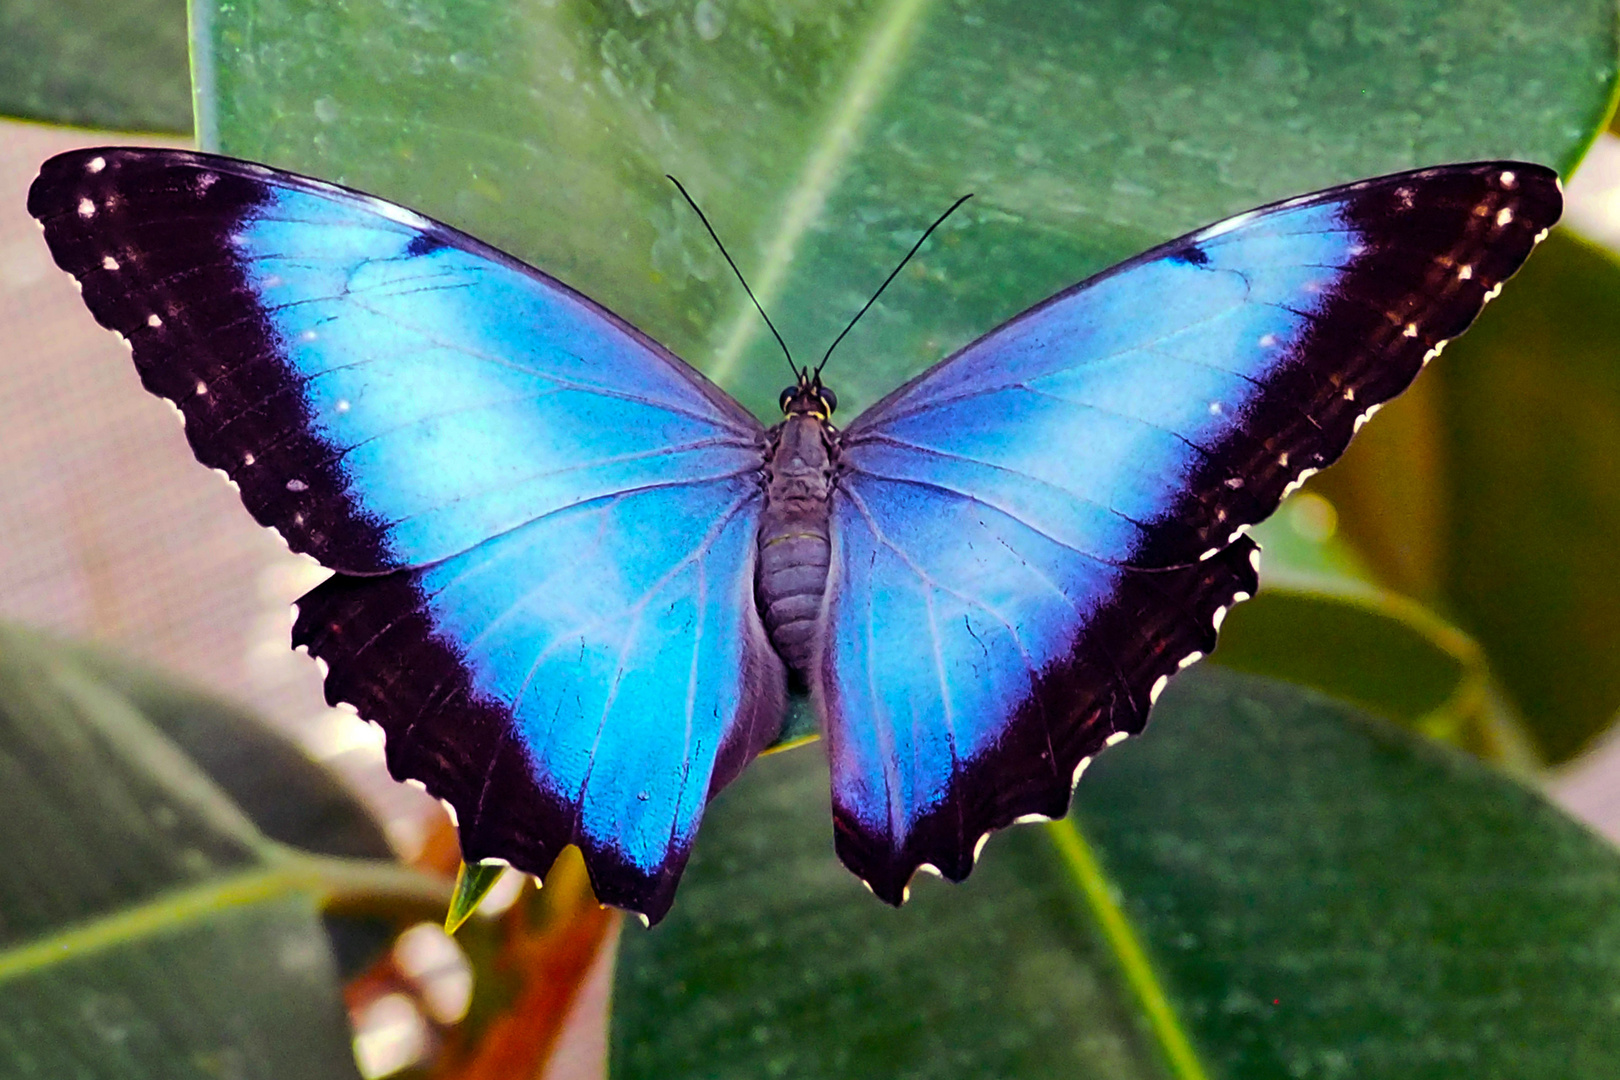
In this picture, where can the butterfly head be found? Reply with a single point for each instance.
(808, 397)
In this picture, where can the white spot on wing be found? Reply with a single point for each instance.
(978, 846)
(1190, 659)
(1465, 272)
(1298, 481)
(1504, 215)
(1491, 293)
(296, 485)
(1410, 331)
(930, 868)
(1210, 554)
(1509, 180)
(1214, 408)
(1372, 410)
(1349, 393)
(1220, 617)
(87, 208)
(97, 163)
(1116, 738)
(1220, 228)
(342, 405)
(1267, 340)
(248, 459)
(1079, 771)
(1254, 563)
(109, 263)
(1030, 819)
(154, 321)
(400, 214)
(202, 388)
(1158, 688)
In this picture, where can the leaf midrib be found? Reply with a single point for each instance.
(1123, 941)
(321, 878)
(864, 88)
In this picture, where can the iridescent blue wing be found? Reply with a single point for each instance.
(1033, 535)
(543, 521)
(592, 677)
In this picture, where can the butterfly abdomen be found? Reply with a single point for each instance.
(793, 547)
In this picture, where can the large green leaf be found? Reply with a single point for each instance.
(1267, 884)
(119, 66)
(1514, 504)
(149, 926)
(823, 136)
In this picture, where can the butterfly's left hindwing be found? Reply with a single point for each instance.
(543, 521)
(592, 677)
(1049, 521)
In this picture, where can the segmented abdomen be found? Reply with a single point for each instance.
(793, 547)
(792, 577)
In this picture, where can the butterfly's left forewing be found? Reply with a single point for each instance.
(543, 521)
(1032, 536)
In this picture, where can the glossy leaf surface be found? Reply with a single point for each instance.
(823, 137)
(119, 66)
(1283, 888)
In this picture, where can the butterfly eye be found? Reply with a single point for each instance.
(787, 396)
(830, 399)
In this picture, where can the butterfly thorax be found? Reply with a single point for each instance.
(793, 546)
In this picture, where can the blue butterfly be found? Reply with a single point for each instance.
(574, 577)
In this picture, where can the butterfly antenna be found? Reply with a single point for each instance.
(893, 274)
(712, 235)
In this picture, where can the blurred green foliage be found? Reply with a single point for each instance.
(159, 920)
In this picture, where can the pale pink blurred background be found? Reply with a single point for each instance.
(111, 531)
